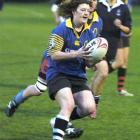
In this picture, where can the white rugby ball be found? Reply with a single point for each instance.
(98, 47)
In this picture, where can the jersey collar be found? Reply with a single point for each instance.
(69, 24)
(95, 17)
(104, 2)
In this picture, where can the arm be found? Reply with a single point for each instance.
(123, 28)
(125, 24)
(59, 55)
(56, 45)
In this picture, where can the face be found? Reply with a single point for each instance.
(82, 13)
(94, 4)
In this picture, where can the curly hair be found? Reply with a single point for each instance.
(67, 6)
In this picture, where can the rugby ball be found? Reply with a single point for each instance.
(98, 48)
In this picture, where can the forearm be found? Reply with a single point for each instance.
(64, 55)
(124, 29)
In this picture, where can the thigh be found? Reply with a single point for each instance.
(64, 98)
(57, 83)
(126, 53)
(119, 58)
(102, 67)
(85, 101)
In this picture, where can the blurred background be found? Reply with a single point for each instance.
(133, 1)
(25, 26)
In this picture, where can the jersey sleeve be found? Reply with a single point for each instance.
(127, 20)
(56, 40)
(100, 26)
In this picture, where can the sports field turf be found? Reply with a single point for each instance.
(24, 31)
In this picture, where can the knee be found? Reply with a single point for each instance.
(91, 109)
(102, 69)
(40, 88)
(88, 109)
(104, 74)
(120, 64)
(70, 105)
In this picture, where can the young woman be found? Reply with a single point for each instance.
(101, 68)
(122, 71)
(66, 74)
(116, 18)
(68, 39)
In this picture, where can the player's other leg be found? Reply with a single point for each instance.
(31, 90)
(100, 75)
(71, 131)
(122, 71)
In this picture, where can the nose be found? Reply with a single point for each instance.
(87, 12)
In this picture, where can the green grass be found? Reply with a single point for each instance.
(24, 31)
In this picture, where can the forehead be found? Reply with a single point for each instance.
(83, 6)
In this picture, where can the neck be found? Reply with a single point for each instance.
(77, 27)
(111, 2)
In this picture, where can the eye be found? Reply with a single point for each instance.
(83, 10)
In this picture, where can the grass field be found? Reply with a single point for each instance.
(24, 31)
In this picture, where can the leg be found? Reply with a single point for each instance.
(99, 78)
(122, 74)
(65, 99)
(85, 104)
(119, 61)
(31, 90)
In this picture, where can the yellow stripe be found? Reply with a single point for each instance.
(55, 43)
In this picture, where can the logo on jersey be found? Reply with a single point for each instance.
(51, 43)
(118, 13)
(95, 31)
(77, 43)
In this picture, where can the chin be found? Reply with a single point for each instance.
(85, 21)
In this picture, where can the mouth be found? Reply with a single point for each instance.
(85, 17)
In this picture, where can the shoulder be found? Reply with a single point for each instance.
(59, 29)
(100, 20)
(124, 8)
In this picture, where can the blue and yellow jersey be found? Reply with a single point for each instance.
(96, 24)
(46, 53)
(65, 38)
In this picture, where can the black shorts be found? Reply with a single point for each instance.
(113, 45)
(61, 81)
(125, 40)
(43, 68)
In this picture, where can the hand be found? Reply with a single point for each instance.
(84, 52)
(117, 23)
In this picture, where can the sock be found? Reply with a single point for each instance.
(97, 99)
(60, 126)
(74, 114)
(19, 98)
(121, 78)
